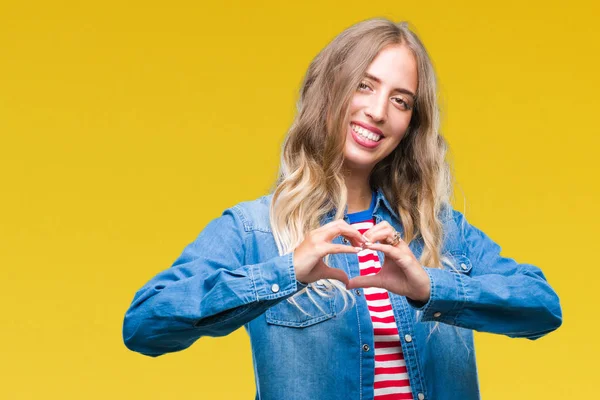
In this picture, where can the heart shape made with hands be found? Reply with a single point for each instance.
(401, 273)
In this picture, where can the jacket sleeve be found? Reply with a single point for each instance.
(499, 295)
(208, 291)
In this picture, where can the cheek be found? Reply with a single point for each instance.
(355, 105)
(401, 125)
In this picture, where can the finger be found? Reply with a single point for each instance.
(380, 235)
(364, 281)
(341, 227)
(382, 226)
(331, 248)
(391, 251)
(357, 242)
(384, 235)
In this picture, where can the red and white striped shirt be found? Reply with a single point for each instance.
(391, 377)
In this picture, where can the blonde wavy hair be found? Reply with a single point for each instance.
(415, 177)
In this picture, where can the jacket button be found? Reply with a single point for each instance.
(421, 396)
(357, 291)
(365, 347)
(408, 338)
(275, 288)
(437, 314)
(346, 241)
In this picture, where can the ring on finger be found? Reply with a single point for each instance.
(394, 239)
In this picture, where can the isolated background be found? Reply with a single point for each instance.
(126, 126)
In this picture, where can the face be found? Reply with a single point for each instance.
(381, 108)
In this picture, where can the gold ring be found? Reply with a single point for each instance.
(395, 239)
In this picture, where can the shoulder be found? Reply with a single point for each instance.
(452, 219)
(460, 233)
(253, 214)
(455, 227)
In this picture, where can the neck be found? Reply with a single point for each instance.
(359, 191)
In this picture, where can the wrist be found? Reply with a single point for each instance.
(419, 298)
(423, 295)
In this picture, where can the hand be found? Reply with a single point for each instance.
(308, 256)
(401, 272)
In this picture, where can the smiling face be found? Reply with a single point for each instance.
(381, 108)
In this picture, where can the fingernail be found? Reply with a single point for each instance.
(365, 238)
(358, 249)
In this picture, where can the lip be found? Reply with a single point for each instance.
(368, 127)
(362, 141)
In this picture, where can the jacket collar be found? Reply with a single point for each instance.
(380, 203)
(382, 200)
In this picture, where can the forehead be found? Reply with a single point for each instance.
(396, 66)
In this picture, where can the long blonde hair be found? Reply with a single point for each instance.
(415, 178)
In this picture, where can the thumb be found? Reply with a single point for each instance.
(335, 273)
(363, 282)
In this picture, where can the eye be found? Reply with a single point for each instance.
(402, 103)
(363, 86)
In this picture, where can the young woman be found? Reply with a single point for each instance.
(355, 278)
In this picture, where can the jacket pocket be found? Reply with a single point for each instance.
(309, 312)
(460, 262)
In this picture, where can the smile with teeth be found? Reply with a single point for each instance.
(367, 134)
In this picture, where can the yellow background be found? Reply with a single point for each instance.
(127, 126)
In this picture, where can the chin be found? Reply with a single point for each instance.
(353, 160)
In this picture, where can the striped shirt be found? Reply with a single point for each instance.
(391, 377)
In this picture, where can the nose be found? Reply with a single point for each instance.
(376, 108)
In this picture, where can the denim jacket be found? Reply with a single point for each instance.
(232, 275)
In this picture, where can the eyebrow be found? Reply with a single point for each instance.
(401, 90)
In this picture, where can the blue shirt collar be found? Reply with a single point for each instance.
(378, 201)
(365, 214)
